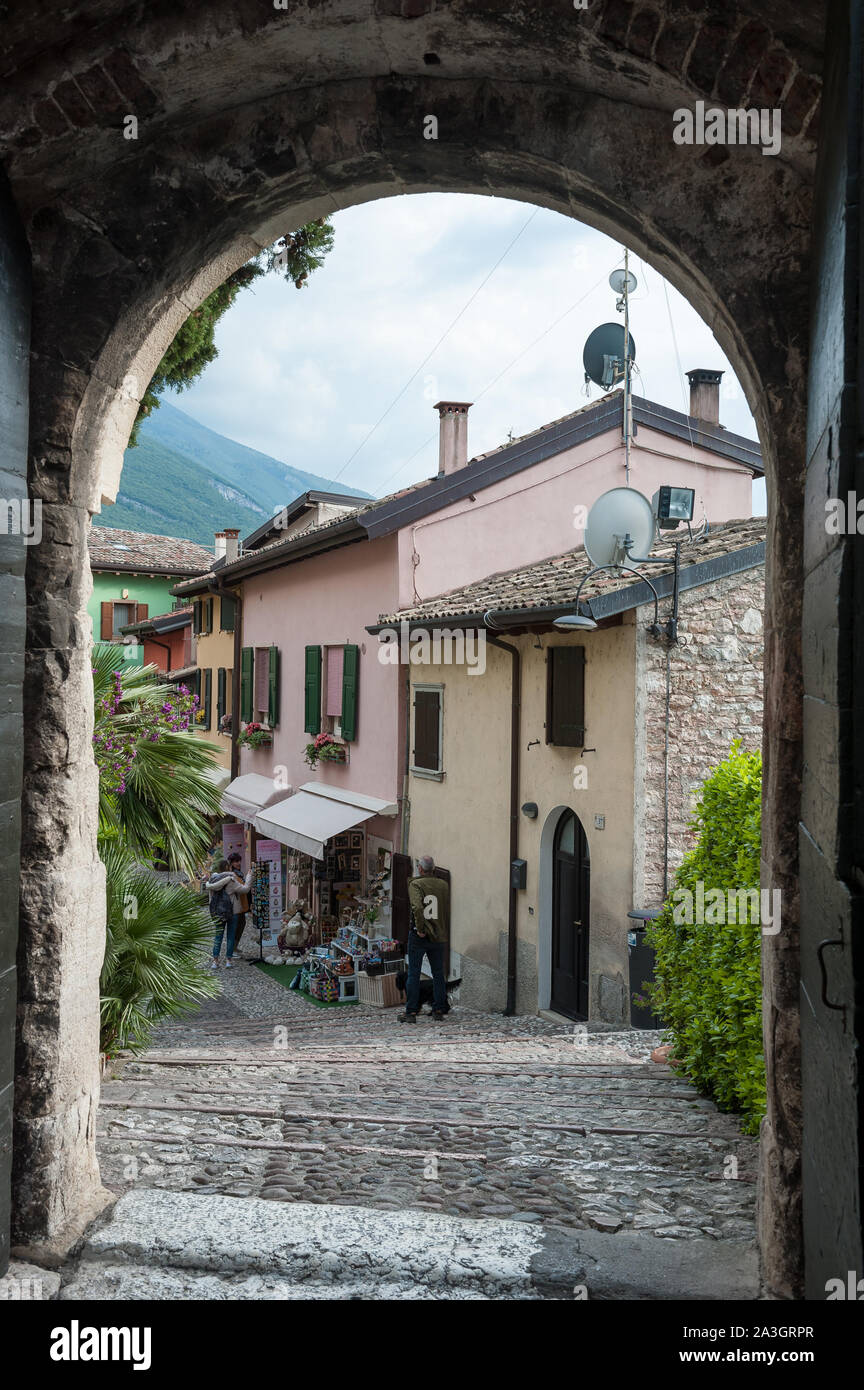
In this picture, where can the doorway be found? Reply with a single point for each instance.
(571, 919)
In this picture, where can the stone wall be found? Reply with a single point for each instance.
(715, 684)
(253, 119)
(14, 363)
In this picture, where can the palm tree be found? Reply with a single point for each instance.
(154, 783)
(154, 794)
(152, 969)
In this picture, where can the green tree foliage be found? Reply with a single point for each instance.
(154, 798)
(156, 932)
(154, 788)
(295, 256)
(708, 986)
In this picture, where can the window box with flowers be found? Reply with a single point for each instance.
(325, 749)
(254, 736)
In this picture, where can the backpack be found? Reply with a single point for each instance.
(220, 905)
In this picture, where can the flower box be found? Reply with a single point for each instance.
(254, 736)
(325, 749)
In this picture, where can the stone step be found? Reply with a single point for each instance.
(178, 1245)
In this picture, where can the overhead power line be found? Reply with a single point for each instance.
(503, 373)
(431, 353)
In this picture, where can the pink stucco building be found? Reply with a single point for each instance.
(314, 580)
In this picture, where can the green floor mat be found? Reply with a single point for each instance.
(284, 974)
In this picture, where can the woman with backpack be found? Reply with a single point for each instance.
(226, 891)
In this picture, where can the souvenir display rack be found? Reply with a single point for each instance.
(350, 924)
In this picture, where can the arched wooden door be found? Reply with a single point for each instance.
(571, 916)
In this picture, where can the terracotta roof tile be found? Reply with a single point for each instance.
(113, 549)
(552, 582)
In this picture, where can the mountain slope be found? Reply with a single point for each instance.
(186, 480)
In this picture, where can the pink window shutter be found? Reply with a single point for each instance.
(335, 659)
(262, 677)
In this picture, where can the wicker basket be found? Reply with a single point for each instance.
(379, 990)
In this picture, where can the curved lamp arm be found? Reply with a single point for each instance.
(629, 570)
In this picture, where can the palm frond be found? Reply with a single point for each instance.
(153, 966)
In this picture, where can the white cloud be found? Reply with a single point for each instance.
(308, 373)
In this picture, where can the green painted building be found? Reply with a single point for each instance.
(133, 573)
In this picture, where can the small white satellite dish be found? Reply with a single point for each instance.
(620, 512)
(623, 279)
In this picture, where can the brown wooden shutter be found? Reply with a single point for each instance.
(445, 874)
(427, 714)
(106, 630)
(565, 697)
(142, 611)
(400, 907)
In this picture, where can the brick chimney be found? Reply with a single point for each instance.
(453, 435)
(219, 544)
(232, 544)
(705, 395)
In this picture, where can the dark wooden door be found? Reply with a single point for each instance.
(570, 919)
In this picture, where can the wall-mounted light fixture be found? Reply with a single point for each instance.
(530, 810)
(577, 622)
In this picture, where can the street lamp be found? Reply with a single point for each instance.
(577, 622)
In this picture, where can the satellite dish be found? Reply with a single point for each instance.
(620, 512)
(621, 280)
(603, 354)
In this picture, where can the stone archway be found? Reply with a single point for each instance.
(259, 119)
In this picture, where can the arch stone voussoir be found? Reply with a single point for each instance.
(250, 123)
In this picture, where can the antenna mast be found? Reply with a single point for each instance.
(627, 402)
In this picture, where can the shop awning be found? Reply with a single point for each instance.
(249, 794)
(217, 774)
(315, 813)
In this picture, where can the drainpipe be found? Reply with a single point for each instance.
(235, 674)
(165, 648)
(406, 804)
(515, 702)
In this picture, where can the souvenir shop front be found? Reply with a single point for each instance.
(336, 852)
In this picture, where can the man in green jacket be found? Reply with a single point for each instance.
(429, 897)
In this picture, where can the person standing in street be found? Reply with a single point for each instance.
(240, 894)
(221, 910)
(429, 897)
(227, 883)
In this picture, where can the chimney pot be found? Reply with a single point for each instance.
(218, 544)
(705, 394)
(232, 543)
(452, 435)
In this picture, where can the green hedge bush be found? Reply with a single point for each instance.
(708, 988)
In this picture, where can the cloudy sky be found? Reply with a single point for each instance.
(499, 296)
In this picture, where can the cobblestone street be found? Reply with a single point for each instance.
(263, 1095)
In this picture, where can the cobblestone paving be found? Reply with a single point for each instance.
(262, 1094)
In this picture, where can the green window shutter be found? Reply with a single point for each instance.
(220, 695)
(227, 611)
(350, 672)
(208, 697)
(247, 662)
(273, 688)
(565, 692)
(196, 617)
(208, 614)
(313, 690)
